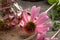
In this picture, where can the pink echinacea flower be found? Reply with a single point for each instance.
(31, 24)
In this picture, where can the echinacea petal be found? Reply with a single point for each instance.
(25, 16)
(34, 11)
(40, 36)
(43, 28)
(18, 13)
(11, 16)
(14, 22)
(6, 16)
(41, 15)
(42, 18)
(47, 39)
(40, 29)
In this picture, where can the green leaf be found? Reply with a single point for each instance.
(52, 1)
(59, 2)
(56, 24)
(58, 7)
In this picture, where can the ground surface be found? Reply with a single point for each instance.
(15, 34)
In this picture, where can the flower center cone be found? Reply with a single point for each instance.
(29, 28)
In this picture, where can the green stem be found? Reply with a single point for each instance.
(50, 7)
(55, 34)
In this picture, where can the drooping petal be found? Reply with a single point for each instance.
(11, 16)
(47, 39)
(18, 13)
(22, 23)
(43, 28)
(25, 16)
(14, 22)
(42, 18)
(8, 16)
(40, 36)
(34, 11)
(41, 15)
(40, 29)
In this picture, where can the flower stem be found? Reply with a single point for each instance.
(19, 8)
(55, 34)
(50, 7)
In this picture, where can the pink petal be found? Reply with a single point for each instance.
(11, 15)
(43, 28)
(34, 11)
(18, 13)
(41, 15)
(40, 36)
(25, 16)
(15, 22)
(40, 29)
(6, 16)
(47, 39)
(42, 18)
